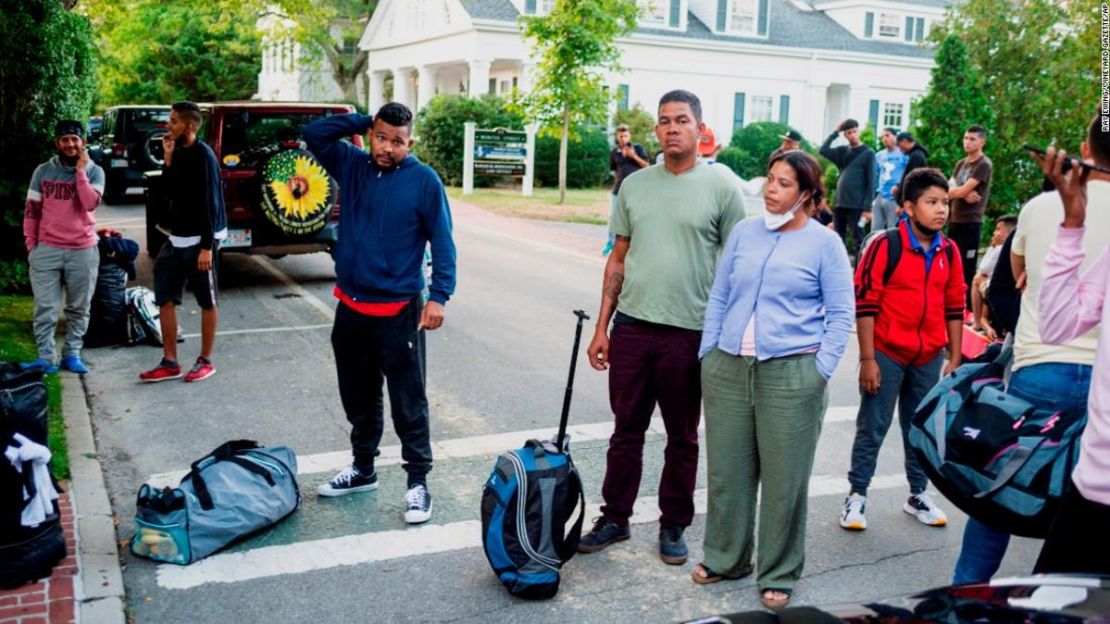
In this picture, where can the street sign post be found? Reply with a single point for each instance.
(498, 152)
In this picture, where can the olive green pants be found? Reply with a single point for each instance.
(762, 420)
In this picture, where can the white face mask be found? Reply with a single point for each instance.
(774, 221)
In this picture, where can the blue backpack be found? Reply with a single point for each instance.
(526, 504)
(995, 456)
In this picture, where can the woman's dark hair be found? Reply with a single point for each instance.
(915, 184)
(807, 171)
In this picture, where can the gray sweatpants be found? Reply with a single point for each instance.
(52, 269)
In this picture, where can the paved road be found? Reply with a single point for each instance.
(496, 370)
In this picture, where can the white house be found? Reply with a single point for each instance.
(808, 63)
(291, 73)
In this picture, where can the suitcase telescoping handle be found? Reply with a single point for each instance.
(582, 316)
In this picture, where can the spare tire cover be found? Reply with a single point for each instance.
(297, 193)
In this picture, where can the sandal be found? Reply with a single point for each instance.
(703, 575)
(774, 603)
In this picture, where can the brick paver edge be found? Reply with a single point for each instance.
(98, 586)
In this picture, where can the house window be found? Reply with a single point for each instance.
(546, 6)
(504, 86)
(890, 25)
(761, 108)
(893, 115)
(653, 12)
(742, 16)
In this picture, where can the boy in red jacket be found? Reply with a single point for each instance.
(909, 305)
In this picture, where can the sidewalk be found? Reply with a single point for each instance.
(86, 586)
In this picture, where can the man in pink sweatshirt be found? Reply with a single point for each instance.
(1073, 302)
(59, 229)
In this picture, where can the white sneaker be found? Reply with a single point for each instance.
(922, 507)
(418, 505)
(852, 517)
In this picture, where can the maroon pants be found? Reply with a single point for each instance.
(648, 365)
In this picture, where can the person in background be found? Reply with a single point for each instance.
(778, 321)
(890, 162)
(671, 222)
(903, 326)
(981, 282)
(59, 231)
(625, 159)
(916, 157)
(1049, 374)
(970, 188)
(1075, 299)
(855, 190)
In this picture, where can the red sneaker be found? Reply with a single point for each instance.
(203, 369)
(165, 370)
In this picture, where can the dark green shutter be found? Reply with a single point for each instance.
(868, 24)
(762, 17)
(920, 34)
(784, 109)
(722, 14)
(530, 7)
(676, 13)
(873, 116)
(622, 99)
(738, 112)
(909, 28)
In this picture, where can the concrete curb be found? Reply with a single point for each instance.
(99, 584)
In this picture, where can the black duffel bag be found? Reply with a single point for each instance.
(26, 553)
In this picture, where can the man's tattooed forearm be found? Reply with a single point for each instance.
(613, 286)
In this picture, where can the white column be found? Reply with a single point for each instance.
(402, 86)
(859, 105)
(468, 157)
(426, 85)
(529, 162)
(479, 78)
(527, 77)
(814, 103)
(376, 97)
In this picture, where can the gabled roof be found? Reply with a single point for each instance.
(787, 27)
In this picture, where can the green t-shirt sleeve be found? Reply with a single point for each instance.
(732, 211)
(621, 225)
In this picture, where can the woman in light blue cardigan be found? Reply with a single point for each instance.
(779, 317)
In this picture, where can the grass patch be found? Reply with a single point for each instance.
(17, 344)
(582, 205)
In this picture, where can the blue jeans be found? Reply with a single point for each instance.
(906, 386)
(1052, 386)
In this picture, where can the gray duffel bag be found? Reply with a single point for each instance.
(232, 492)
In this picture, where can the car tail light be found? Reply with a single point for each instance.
(119, 149)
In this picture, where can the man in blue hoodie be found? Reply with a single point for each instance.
(392, 207)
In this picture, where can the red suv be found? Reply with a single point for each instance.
(278, 197)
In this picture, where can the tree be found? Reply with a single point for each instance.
(157, 52)
(1037, 61)
(328, 32)
(954, 101)
(48, 74)
(442, 134)
(574, 44)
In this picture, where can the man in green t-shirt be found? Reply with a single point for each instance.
(670, 223)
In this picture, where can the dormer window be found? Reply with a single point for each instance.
(653, 12)
(538, 7)
(894, 26)
(742, 17)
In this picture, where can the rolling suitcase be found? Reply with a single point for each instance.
(526, 504)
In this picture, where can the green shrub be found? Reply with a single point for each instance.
(641, 125)
(440, 134)
(736, 159)
(48, 73)
(757, 141)
(587, 159)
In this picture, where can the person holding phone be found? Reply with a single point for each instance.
(777, 323)
(855, 189)
(1075, 299)
(625, 159)
(59, 229)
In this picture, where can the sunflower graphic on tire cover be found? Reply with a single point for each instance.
(297, 192)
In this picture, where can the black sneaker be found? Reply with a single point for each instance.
(605, 532)
(349, 481)
(418, 504)
(672, 546)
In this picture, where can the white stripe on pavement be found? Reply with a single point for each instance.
(349, 550)
(263, 330)
(492, 444)
(327, 310)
